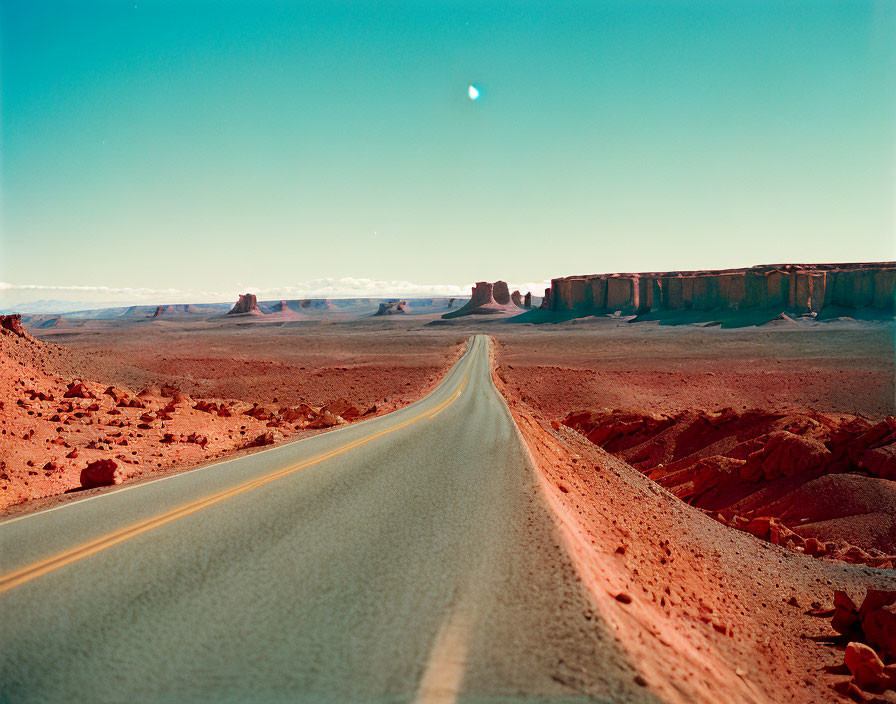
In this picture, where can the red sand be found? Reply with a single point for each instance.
(708, 613)
(47, 440)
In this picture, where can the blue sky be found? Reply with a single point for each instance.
(191, 149)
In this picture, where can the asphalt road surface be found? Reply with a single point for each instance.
(409, 558)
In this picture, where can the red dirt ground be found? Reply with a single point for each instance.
(710, 613)
(46, 440)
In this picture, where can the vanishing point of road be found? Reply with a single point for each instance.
(408, 558)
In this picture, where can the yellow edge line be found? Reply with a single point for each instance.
(38, 569)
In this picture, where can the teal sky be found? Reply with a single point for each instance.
(197, 148)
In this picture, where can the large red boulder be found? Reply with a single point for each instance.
(880, 461)
(878, 617)
(100, 473)
(846, 614)
(868, 671)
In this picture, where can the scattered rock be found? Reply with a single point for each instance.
(261, 440)
(78, 389)
(341, 407)
(325, 420)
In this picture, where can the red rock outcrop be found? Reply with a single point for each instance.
(797, 288)
(12, 324)
(517, 299)
(501, 293)
(247, 303)
(801, 480)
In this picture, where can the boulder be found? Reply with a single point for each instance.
(78, 389)
(325, 420)
(868, 671)
(880, 461)
(100, 473)
(846, 614)
(341, 407)
(878, 618)
(302, 413)
(258, 412)
(116, 393)
(267, 438)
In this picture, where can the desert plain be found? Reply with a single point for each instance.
(727, 494)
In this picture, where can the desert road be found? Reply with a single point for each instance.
(408, 558)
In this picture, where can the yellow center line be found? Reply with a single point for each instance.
(42, 567)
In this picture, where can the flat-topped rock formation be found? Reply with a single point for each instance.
(487, 299)
(175, 310)
(796, 288)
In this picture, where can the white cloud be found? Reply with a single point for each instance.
(47, 296)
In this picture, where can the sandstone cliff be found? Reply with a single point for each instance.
(796, 288)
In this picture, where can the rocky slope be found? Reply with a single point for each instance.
(711, 614)
(818, 485)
